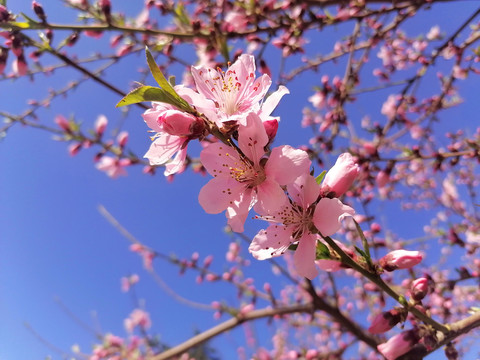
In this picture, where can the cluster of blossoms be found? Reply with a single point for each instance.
(235, 126)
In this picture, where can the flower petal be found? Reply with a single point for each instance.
(252, 138)
(304, 258)
(271, 242)
(304, 191)
(237, 214)
(219, 159)
(270, 197)
(177, 164)
(163, 148)
(220, 193)
(272, 101)
(286, 163)
(328, 214)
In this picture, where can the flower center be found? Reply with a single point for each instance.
(247, 173)
(227, 87)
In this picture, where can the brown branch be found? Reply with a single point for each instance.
(230, 324)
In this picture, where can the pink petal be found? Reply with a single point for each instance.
(304, 258)
(177, 164)
(272, 101)
(328, 214)
(238, 213)
(252, 138)
(163, 148)
(204, 81)
(286, 163)
(304, 190)
(270, 197)
(255, 92)
(271, 242)
(220, 193)
(219, 158)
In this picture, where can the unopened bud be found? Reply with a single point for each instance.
(100, 125)
(63, 123)
(4, 14)
(3, 58)
(399, 344)
(38, 9)
(106, 8)
(400, 259)
(342, 175)
(72, 39)
(122, 139)
(271, 127)
(419, 288)
(385, 321)
(20, 66)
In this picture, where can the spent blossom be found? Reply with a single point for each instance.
(242, 180)
(297, 222)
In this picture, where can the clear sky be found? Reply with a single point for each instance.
(54, 244)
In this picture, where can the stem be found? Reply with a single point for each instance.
(376, 279)
(230, 324)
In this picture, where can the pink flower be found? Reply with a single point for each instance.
(341, 176)
(398, 345)
(240, 181)
(174, 129)
(138, 318)
(234, 93)
(114, 167)
(400, 259)
(294, 223)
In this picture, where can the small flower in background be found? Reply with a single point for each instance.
(100, 125)
(138, 318)
(127, 282)
(400, 259)
(113, 167)
(419, 288)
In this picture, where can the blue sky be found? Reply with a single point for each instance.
(54, 244)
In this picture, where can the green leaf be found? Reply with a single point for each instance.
(366, 248)
(21, 25)
(361, 252)
(320, 177)
(3, 2)
(175, 99)
(146, 93)
(322, 251)
(181, 14)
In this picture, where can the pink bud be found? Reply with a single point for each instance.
(180, 123)
(73, 149)
(4, 14)
(3, 58)
(122, 139)
(385, 321)
(19, 65)
(38, 9)
(382, 179)
(271, 127)
(400, 259)
(101, 124)
(398, 345)
(62, 123)
(341, 176)
(419, 288)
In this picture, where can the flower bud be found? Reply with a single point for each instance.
(63, 123)
(20, 67)
(106, 8)
(385, 321)
(3, 58)
(179, 123)
(419, 288)
(4, 14)
(341, 176)
(271, 127)
(400, 259)
(399, 344)
(122, 139)
(101, 124)
(38, 9)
